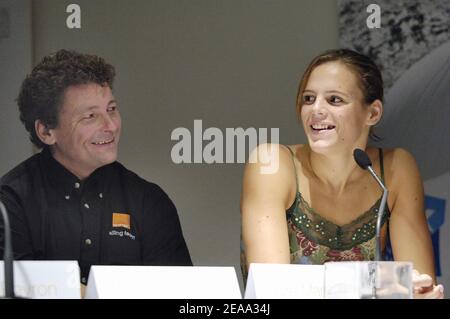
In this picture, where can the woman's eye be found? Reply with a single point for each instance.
(308, 99)
(335, 99)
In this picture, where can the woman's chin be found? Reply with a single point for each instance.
(321, 146)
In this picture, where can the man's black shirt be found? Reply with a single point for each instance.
(113, 217)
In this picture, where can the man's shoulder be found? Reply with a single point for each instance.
(138, 183)
(22, 170)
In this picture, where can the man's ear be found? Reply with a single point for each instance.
(375, 112)
(45, 134)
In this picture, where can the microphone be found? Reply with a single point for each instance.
(363, 160)
(7, 255)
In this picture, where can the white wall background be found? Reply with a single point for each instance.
(15, 63)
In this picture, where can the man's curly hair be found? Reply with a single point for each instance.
(42, 92)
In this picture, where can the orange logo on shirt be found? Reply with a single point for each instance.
(121, 220)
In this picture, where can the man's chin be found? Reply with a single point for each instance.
(109, 160)
(106, 159)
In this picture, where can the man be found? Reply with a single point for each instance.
(73, 201)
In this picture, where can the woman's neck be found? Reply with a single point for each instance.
(335, 171)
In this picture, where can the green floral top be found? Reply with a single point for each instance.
(315, 240)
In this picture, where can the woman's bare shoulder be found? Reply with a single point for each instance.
(400, 166)
(398, 158)
(391, 156)
(275, 155)
(270, 169)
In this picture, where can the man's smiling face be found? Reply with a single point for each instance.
(88, 130)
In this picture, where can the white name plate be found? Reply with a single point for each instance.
(343, 280)
(162, 282)
(284, 281)
(43, 279)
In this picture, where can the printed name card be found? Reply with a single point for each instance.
(283, 281)
(162, 282)
(333, 280)
(42, 279)
(343, 280)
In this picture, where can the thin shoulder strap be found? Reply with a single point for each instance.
(295, 168)
(380, 151)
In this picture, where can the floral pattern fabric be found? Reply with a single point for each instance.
(315, 240)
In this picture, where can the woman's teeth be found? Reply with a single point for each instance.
(322, 127)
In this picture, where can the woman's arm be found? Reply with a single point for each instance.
(263, 205)
(410, 237)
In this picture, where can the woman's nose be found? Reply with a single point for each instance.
(318, 106)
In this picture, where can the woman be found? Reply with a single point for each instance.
(319, 206)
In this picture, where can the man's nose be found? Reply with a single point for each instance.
(108, 123)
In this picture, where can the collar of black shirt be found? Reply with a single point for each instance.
(66, 182)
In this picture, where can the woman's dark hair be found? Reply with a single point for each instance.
(368, 74)
(42, 92)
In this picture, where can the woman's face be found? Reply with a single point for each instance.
(332, 111)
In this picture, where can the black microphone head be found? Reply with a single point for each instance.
(361, 158)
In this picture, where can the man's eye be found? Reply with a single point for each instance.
(112, 108)
(89, 116)
(308, 99)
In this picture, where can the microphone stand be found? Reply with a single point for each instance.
(363, 160)
(373, 268)
(380, 213)
(7, 255)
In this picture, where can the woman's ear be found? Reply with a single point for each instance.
(375, 112)
(45, 134)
